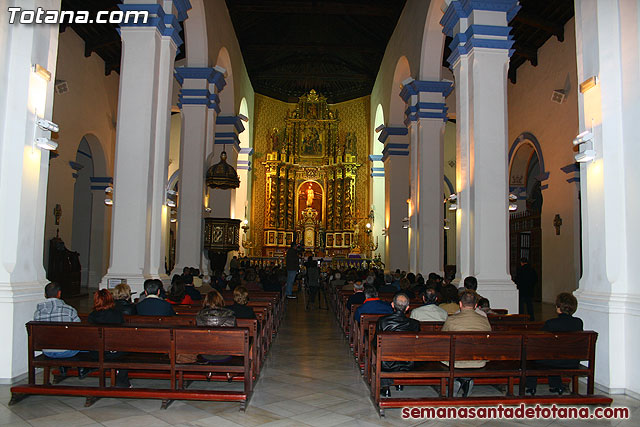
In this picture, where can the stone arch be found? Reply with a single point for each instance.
(432, 43)
(396, 104)
(227, 104)
(197, 50)
(89, 228)
(526, 162)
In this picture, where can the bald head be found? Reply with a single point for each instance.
(401, 302)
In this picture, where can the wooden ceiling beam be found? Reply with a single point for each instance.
(527, 52)
(311, 47)
(314, 76)
(532, 20)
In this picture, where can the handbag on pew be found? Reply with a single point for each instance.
(186, 358)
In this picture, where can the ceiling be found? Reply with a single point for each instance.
(332, 46)
(335, 47)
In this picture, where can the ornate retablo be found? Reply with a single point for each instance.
(310, 180)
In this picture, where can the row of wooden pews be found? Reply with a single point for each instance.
(515, 349)
(149, 347)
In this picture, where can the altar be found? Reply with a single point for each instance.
(310, 174)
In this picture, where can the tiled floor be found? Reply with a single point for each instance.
(310, 378)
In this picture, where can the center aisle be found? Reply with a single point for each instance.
(311, 378)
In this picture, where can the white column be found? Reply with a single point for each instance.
(196, 100)
(480, 56)
(378, 197)
(426, 115)
(142, 139)
(24, 170)
(396, 171)
(608, 47)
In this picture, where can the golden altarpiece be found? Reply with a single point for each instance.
(310, 181)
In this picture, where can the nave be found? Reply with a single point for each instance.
(309, 378)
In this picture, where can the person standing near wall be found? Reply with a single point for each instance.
(526, 279)
(292, 264)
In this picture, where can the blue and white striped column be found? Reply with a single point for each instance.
(426, 114)
(198, 96)
(395, 157)
(139, 213)
(481, 48)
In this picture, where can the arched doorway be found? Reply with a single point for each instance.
(88, 226)
(526, 174)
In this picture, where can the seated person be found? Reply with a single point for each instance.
(387, 287)
(197, 279)
(397, 321)
(104, 309)
(214, 313)
(485, 306)
(53, 309)
(429, 312)
(348, 286)
(105, 313)
(566, 305)
(178, 293)
(372, 304)
(466, 320)
(190, 289)
(239, 306)
(358, 295)
(405, 287)
(153, 304)
(251, 281)
(337, 281)
(122, 297)
(449, 298)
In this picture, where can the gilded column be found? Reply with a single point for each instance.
(339, 199)
(292, 200)
(271, 197)
(330, 200)
(282, 197)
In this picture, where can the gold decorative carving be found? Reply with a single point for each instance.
(309, 141)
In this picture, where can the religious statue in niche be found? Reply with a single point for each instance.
(310, 197)
(274, 138)
(350, 143)
(311, 144)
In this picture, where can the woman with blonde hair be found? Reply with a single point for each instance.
(122, 297)
(214, 313)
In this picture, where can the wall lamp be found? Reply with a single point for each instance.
(171, 195)
(591, 82)
(588, 154)
(405, 222)
(453, 201)
(512, 202)
(45, 125)
(108, 196)
(41, 71)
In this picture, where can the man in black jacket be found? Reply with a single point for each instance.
(292, 263)
(398, 322)
(566, 305)
(526, 279)
(153, 304)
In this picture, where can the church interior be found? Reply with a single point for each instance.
(405, 137)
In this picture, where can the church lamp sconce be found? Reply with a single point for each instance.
(405, 222)
(108, 196)
(367, 228)
(512, 202)
(171, 198)
(47, 126)
(588, 154)
(446, 224)
(453, 201)
(557, 223)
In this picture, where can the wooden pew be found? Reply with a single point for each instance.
(148, 348)
(509, 355)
